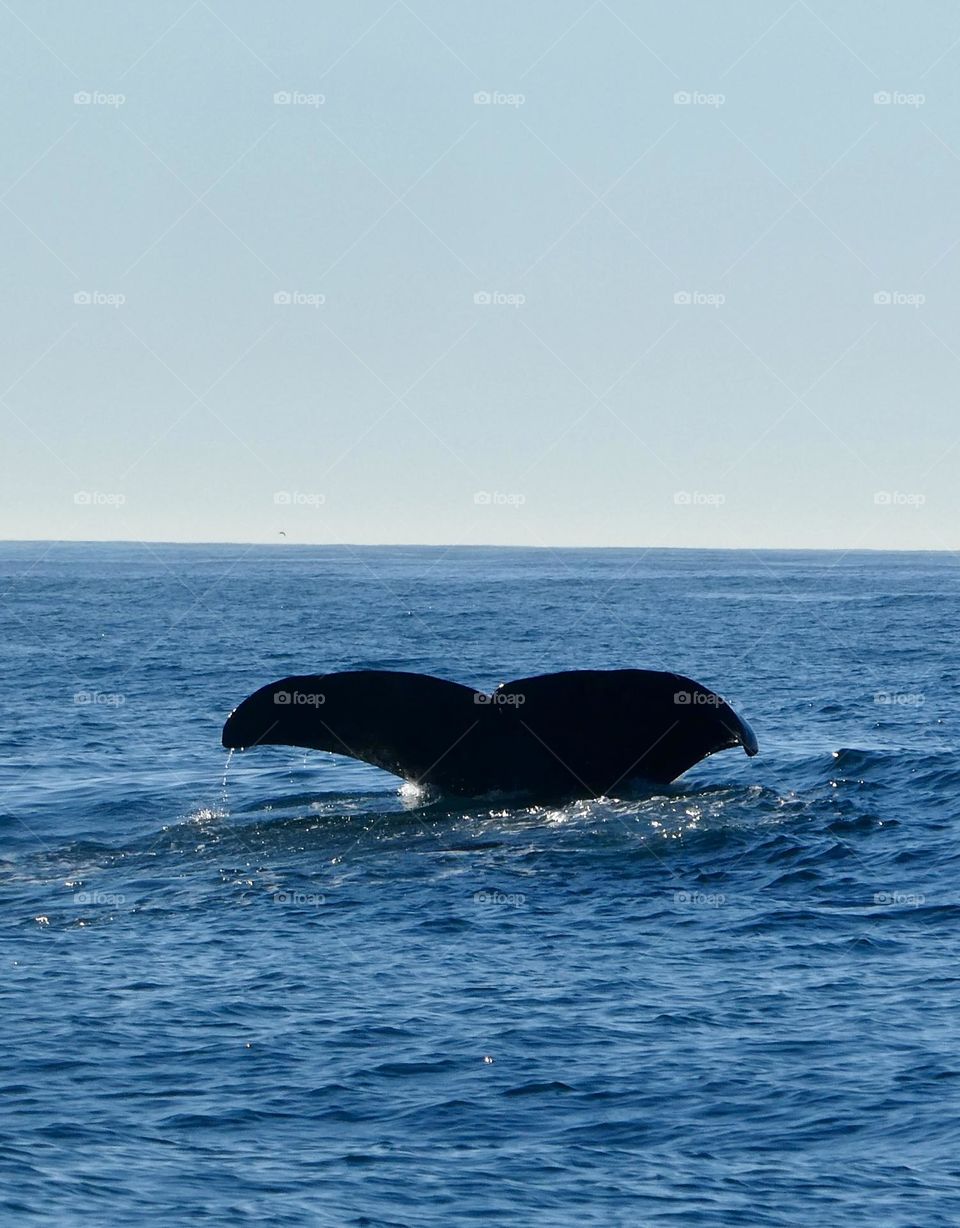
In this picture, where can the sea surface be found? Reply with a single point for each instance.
(285, 991)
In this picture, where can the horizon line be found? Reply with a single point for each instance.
(343, 545)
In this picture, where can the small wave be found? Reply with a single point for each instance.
(538, 1089)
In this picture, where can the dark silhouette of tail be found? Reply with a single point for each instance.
(585, 733)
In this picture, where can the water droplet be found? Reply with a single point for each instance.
(226, 769)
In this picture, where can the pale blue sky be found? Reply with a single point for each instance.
(783, 406)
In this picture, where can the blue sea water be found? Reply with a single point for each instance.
(293, 995)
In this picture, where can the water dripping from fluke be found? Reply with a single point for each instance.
(226, 772)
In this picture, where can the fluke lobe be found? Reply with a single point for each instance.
(582, 733)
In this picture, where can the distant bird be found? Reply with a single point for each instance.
(281, 532)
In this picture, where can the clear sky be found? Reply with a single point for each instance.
(551, 272)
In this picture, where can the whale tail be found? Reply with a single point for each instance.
(582, 733)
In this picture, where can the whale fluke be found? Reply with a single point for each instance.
(582, 733)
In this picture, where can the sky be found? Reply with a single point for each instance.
(561, 273)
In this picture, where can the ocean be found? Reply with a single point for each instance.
(284, 990)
